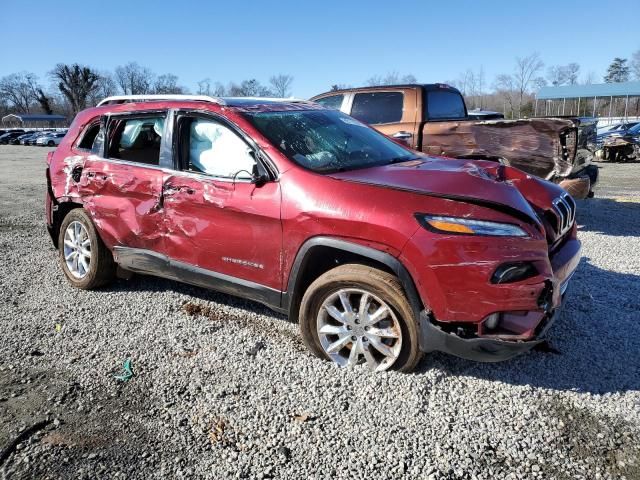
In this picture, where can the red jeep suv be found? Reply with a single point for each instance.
(379, 252)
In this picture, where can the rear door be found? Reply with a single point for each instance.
(446, 130)
(121, 179)
(216, 218)
(393, 112)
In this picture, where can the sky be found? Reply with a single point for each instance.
(319, 43)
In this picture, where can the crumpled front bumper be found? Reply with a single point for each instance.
(433, 338)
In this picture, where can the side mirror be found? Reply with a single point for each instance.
(258, 176)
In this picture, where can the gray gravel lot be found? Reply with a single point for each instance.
(223, 388)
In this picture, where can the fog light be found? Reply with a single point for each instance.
(491, 322)
(514, 272)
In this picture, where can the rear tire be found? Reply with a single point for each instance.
(84, 258)
(376, 319)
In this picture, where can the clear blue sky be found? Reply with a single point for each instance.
(319, 43)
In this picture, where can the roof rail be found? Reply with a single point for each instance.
(268, 99)
(157, 98)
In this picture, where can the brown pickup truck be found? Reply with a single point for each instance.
(433, 119)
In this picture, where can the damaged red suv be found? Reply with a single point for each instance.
(379, 252)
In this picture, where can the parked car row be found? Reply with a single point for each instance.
(48, 138)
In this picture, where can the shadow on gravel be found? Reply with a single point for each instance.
(595, 342)
(145, 283)
(608, 216)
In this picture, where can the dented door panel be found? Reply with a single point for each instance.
(227, 227)
(124, 202)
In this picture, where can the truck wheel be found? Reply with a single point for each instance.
(358, 314)
(84, 258)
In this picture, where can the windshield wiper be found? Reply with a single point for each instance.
(402, 159)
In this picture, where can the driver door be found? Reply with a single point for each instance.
(216, 218)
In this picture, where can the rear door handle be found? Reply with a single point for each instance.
(173, 189)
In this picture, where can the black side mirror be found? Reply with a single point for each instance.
(259, 176)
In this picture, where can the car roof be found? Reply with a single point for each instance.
(426, 86)
(131, 102)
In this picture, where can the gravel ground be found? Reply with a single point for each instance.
(223, 388)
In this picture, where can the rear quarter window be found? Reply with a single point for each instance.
(334, 101)
(445, 105)
(378, 107)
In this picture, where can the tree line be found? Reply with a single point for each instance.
(513, 93)
(74, 87)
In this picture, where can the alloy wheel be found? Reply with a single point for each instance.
(77, 249)
(354, 326)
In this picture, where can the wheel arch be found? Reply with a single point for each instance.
(320, 254)
(60, 211)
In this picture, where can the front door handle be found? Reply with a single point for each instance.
(402, 135)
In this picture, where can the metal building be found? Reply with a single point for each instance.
(34, 120)
(589, 99)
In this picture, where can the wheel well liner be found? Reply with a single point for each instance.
(319, 254)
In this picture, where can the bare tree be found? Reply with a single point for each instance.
(106, 86)
(556, 75)
(563, 74)
(134, 79)
(281, 85)
(507, 91)
(635, 64)
(76, 83)
(20, 90)
(572, 73)
(590, 78)
(168, 84)
(219, 90)
(391, 78)
(339, 86)
(204, 86)
(527, 69)
(248, 88)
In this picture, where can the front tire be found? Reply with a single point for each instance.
(358, 314)
(84, 258)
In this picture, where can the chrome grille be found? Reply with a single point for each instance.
(565, 209)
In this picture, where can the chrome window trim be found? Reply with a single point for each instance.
(235, 128)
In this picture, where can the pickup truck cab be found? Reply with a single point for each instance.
(379, 252)
(433, 119)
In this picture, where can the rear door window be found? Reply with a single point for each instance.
(334, 101)
(445, 105)
(136, 139)
(378, 107)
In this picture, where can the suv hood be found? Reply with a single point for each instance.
(480, 182)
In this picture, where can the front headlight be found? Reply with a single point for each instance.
(467, 226)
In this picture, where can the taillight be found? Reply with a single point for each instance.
(49, 157)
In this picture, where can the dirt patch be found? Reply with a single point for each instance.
(606, 444)
(199, 310)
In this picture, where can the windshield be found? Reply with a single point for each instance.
(327, 140)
